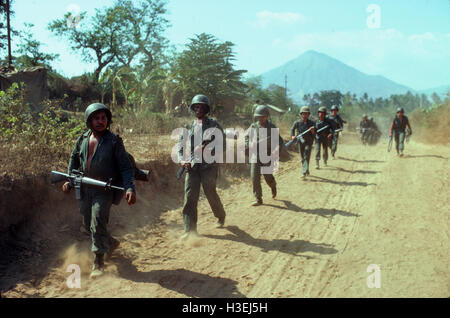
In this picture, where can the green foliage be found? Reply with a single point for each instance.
(119, 34)
(205, 67)
(42, 135)
(273, 95)
(30, 51)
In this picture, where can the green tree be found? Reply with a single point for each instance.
(205, 67)
(30, 51)
(144, 38)
(117, 34)
(436, 99)
(330, 98)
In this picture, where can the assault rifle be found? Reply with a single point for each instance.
(182, 169)
(77, 180)
(390, 144)
(297, 139)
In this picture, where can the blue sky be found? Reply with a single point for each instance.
(406, 41)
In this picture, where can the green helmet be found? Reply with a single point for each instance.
(261, 111)
(370, 118)
(400, 110)
(93, 108)
(334, 107)
(305, 109)
(322, 109)
(201, 99)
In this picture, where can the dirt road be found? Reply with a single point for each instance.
(316, 239)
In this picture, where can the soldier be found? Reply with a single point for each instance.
(200, 173)
(364, 129)
(398, 126)
(101, 155)
(338, 124)
(305, 148)
(261, 114)
(323, 137)
(374, 132)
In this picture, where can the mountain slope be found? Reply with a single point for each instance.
(313, 72)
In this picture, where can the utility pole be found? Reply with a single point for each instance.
(9, 34)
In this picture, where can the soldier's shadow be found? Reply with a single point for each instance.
(355, 171)
(361, 161)
(326, 213)
(183, 281)
(344, 183)
(285, 246)
(424, 156)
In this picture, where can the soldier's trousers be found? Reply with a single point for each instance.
(305, 153)
(95, 206)
(333, 142)
(207, 178)
(365, 136)
(322, 141)
(399, 140)
(255, 174)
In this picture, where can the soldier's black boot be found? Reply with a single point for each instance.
(98, 267)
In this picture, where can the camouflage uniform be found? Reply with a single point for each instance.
(255, 168)
(109, 160)
(202, 173)
(322, 139)
(305, 148)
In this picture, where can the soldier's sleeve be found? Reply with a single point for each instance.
(125, 166)
(224, 138)
(294, 126)
(74, 162)
(247, 135)
(332, 124)
(181, 144)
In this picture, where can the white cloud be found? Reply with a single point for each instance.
(265, 18)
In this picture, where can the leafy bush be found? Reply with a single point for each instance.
(34, 141)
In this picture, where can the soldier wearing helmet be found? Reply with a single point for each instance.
(201, 171)
(364, 129)
(262, 125)
(101, 155)
(300, 126)
(338, 123)
(324, 136)
(398, 127)
(374, 132)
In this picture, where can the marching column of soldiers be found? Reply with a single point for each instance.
(100, 156)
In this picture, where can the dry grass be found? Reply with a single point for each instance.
(432, 126)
